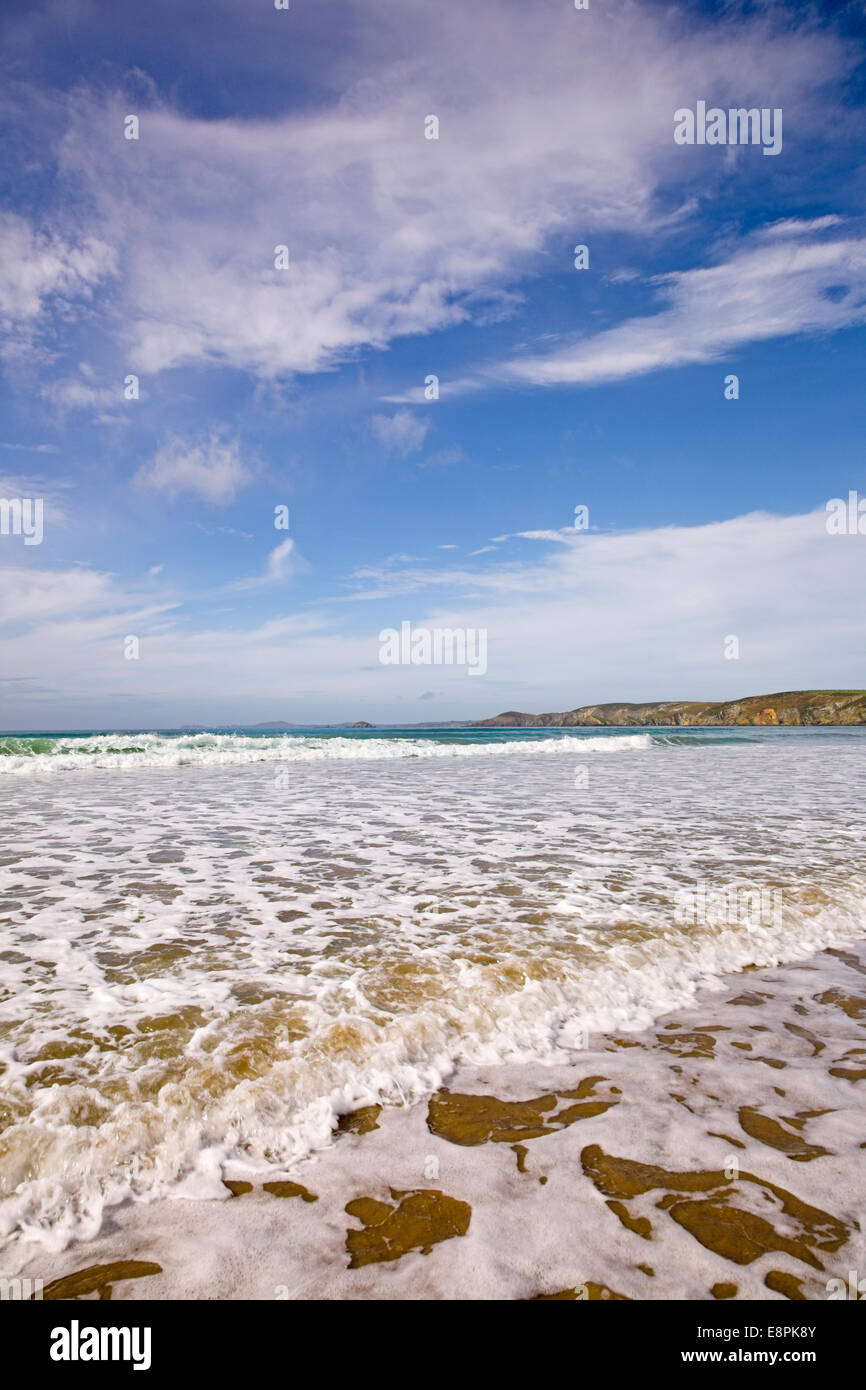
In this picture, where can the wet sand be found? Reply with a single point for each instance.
(716, 1155)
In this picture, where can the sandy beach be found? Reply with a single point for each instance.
(432, 671)
(716, 1155)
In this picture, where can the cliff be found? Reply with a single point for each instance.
(790, 707)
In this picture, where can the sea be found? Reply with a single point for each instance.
(217, 945)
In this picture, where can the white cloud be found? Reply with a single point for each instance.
(638, 615)
(53, 492)
(565, 535)
(33, 596)
(42, 269)
(644, 614)
(210, 468)
(794, 226)
(282, 564)
(82, 391)
(222, 531)
(402, 433)
(763, 291)
(391, 234)
(279, 560)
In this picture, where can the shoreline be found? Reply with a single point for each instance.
(715, 1154)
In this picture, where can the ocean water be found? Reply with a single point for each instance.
(215, 944)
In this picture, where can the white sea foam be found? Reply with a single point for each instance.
(153, 750)
(208, 969)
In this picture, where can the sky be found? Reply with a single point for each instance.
(173, 384)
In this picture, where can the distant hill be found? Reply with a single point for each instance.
(788, 708)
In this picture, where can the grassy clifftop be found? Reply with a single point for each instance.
(786, 708)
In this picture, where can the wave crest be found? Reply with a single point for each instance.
(25, 757)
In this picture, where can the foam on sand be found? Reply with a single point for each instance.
(204, 970)
(713, 1156)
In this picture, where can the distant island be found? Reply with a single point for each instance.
(804, 707)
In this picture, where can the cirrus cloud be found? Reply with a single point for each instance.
(402, 433)
(210, 468)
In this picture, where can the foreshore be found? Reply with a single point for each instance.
(714, 1155)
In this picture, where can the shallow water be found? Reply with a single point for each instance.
(210, 952)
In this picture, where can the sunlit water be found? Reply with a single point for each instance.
(213, 945)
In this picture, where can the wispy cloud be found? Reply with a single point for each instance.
(33, 448)
(222, 530)
(767, 289)
(282, 564)
(82, 391)
(641, 615)
(211, 468)
(402, 433)
(53, 491)
(41, 271)
(390, 235)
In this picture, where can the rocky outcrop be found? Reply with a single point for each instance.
(792, 707)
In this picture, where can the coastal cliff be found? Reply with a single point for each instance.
(804, 707)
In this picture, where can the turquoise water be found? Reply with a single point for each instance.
(63, 742)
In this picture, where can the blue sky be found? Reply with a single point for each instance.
(410, 257)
